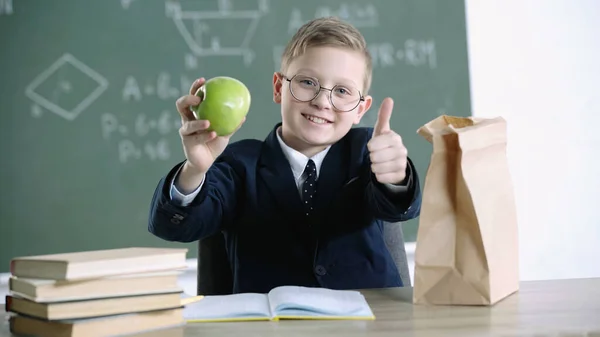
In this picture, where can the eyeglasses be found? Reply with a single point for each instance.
(343, 98)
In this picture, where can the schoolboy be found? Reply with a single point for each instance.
(305, 206)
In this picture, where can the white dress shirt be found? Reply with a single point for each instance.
(297, 162)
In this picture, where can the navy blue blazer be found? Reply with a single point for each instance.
(249, 194)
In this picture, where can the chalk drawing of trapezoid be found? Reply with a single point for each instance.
(67, 87)
(222, 28)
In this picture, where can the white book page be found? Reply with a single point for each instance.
(304, 301)
(228, 306)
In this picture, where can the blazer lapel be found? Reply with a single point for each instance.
(276, 174)
(333, 173)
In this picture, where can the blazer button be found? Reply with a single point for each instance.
(176, 219)
(320, 270)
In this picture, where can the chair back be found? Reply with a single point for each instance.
(394, 241)
(214, 271)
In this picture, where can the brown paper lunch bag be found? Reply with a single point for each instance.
(467, 241)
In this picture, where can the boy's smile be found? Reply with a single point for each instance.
(316, 120)
(335, 75)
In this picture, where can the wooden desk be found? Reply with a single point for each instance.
(541, 308)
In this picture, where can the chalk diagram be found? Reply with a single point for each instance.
(67, 88)
(6, 7)
(224, 31)
(126, 3)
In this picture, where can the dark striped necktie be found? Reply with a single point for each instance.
(309, 187)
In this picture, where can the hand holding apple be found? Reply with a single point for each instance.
(220, 112)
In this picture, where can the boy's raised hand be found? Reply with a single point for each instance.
(387, 151)
(201, 146)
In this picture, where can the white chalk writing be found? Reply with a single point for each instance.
(134, 132)
(135, 141)
(131, 89)
(191, 61)
(359, 14)
(126, 3)
(163, 124)
(162, 87)
(153, 150)
(6, 7)
(416, 53)
(166, 123)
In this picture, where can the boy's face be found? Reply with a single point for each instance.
(314, 123)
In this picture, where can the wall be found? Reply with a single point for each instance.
(537, 63)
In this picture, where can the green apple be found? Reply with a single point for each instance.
(225, 103)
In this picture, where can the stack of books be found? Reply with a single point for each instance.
(97, 293)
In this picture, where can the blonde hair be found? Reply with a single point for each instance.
(331, 32)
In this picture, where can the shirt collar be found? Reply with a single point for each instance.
(298, 160)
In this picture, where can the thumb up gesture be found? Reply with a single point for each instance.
(387, 152)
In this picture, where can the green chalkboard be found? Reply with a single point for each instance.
(88, 90)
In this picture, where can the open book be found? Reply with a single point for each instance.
(286, 302)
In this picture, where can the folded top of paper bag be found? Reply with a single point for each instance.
(445, 124)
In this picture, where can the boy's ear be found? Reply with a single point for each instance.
(362, 108)
(277, 86)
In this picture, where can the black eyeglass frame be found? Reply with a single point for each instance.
(361, 99)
